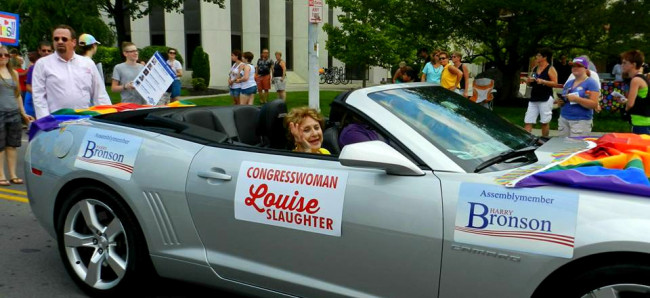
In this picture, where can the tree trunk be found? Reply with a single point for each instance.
(118, 17)
(363, 73)
(510, 89)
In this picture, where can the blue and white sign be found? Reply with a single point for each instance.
(529, 220)
(109, 153)
(9, 28)
(154, 79)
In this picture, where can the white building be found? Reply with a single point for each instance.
(249, 25)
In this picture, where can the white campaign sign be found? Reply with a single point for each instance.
(298, 198)
(108, 152)
(529, 220)
(154, 79)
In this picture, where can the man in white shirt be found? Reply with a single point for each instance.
(65, 79)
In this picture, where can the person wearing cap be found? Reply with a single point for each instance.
(638, 103)
(579, 99)
(87, 47)
(65, 80)
(542, 80)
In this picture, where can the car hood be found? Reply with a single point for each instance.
(554, 150)
(558, 148)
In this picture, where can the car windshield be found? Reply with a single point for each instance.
(468, 133)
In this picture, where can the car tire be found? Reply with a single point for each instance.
(101, 244)
(621, 280)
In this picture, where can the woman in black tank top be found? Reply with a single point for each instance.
(542, 80)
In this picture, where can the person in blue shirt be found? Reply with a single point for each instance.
(579, 99)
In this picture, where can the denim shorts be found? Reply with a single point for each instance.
(235, 92)
(249, 90)
(176, 88)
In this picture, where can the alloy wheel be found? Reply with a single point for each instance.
(95, 244)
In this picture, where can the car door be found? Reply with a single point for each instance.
(389, 232)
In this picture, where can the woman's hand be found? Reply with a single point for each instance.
(28, 118)
(301, 143)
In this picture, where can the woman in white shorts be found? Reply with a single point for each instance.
(542, 79)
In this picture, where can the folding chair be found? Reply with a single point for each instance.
(483, 92)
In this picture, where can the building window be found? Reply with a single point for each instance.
(264, 43)
(264, 18)
(192, 22)
(235, 42)
(236, 27)
(288, 56)
(157, 25)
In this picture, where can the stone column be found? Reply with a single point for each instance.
(251, 27)
(300, 44)
(215, 38)
(278, 31)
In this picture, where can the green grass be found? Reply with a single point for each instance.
(115, 96)
(294, 99)
(603, 121)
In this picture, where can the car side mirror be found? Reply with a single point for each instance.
(378, 155)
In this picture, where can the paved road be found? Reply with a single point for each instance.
(30, 265)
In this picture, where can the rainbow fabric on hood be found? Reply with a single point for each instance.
(620, 162)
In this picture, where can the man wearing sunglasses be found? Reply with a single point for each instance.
(66, 80)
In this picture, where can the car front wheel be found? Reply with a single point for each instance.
(99, 243)
(617, 280)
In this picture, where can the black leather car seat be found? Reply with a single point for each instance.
(246, 118)
(271, 125)
(202, 117)
(331, 140)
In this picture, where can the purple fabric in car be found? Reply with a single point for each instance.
(356, 133)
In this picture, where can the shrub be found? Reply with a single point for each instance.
(108, 57)
(199, 84)
(147, 52)
(201, 65)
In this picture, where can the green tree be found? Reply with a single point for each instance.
(371, 33)
(201, 65)
(512, 30)
(39, 17)
(124, 10)
(506, 32)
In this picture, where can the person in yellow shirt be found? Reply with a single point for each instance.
(451, 75)
(305, 125)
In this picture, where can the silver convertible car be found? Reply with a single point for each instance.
(212, 195)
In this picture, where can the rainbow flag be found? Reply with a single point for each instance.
(52, 121)
(620, 162)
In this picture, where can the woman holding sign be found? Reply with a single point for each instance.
(124, 74)
(305, 125)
